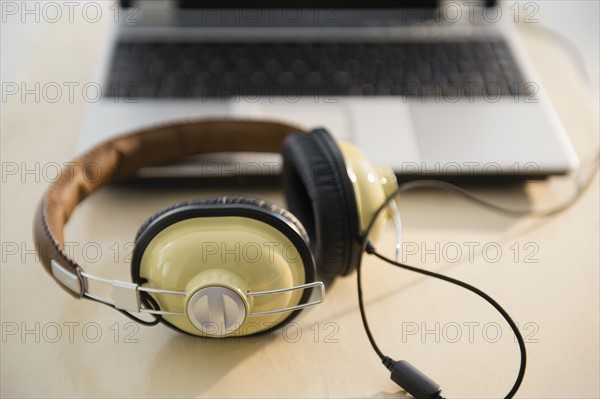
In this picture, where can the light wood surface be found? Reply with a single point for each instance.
(552, 289)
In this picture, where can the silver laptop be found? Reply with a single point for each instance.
(432, 89)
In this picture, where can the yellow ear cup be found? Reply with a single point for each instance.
(372, 185)
(216, 256)
(236, 253)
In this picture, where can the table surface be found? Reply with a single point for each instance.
(546, 275)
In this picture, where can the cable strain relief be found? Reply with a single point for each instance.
(388, 362)
(370, 249)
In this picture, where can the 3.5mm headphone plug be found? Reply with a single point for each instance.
(412, 380)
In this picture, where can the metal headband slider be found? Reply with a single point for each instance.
(125, 296)
(66, 277)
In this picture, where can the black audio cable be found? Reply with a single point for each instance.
(403, 373)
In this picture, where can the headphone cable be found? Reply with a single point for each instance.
(403, 373)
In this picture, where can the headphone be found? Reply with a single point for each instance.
(235, 266)
(230, 265)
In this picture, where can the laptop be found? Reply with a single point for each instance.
(433, 89)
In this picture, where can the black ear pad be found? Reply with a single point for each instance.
(320, 193)
(269, 206)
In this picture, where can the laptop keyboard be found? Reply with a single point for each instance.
(258, 69)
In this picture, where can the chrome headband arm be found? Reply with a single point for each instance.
(316, 284)
(398, 228)
(126, 295)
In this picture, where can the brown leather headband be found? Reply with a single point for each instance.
(121, 157)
